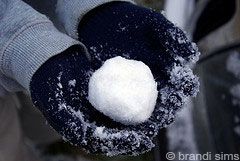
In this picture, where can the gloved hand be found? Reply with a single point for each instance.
(59, 88)
(124, 29)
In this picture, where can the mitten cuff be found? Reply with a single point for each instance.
(71, 12)
(30, 47)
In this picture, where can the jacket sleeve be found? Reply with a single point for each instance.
(71, 12)
(27, 40)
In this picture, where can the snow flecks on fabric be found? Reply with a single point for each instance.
(93, 48)
(195, 57)
(109, 141)
(171, 98)
(62, 106)
(60, 85)
(184, 80)
(193, 53)
(96, 54)
(72, 83)
(184, 84)
(121, 28)
(167, 117)
(107, 138)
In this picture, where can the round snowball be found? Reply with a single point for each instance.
(123, 90)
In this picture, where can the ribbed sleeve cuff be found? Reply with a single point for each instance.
(71, 12)
(30, 48)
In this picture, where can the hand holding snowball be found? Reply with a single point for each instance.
(137, 33)
(60, 87)
(62, 96)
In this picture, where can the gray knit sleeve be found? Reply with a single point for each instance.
(27, 40)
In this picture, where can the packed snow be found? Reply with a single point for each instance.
(124, 90)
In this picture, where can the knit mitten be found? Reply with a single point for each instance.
(124, 29)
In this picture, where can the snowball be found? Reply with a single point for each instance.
(123, 90)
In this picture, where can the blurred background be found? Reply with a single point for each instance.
(208, 123)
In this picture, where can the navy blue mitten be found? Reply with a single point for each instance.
(59, 88)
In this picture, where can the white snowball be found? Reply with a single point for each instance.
(123, 90)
